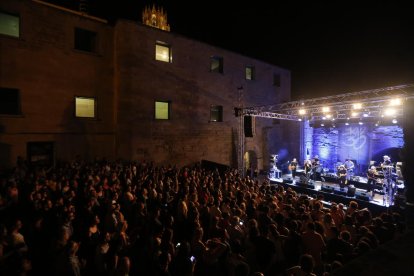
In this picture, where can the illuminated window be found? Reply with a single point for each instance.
(85, 40)
(216, 64)
(163, 52)
(85, 107)
(9, 24)
(162, 110)
(250, 73)
(276, 80)
(216, 113)
(9, 101)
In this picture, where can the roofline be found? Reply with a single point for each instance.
(71, 11)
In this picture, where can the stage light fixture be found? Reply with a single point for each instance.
(390, 112)
(357, 106)
(347, 124)
(325, 109)
(394, 121)
(395, 102)
(302, 111)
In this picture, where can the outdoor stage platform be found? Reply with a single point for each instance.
(376, 202)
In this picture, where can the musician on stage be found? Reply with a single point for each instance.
(349, 166)
(387, 166)
(307, 166)
(372, 175)
(292, 167)
(342, 176)
(315, 161)
(387, 161)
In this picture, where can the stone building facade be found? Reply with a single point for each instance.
(82, 87)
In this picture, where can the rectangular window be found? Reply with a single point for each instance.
(276, 80)
(216, 64)
(163, 52)
(9, 101)
(9, 24)
(85, 40)
(250, 73)
(85, 107)
(162, 110)
(216, 113)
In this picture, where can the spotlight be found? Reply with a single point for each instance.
(357, 106)
(390, 112)
(394, 121)
(395, 102)
(360, 123)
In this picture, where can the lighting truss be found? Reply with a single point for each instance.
(373, 105)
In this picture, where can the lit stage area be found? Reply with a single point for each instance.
(377, 201)
(363, 128)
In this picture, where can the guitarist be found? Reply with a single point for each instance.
(292, 167)
(342, 172)
(372, 178)
(349, 166)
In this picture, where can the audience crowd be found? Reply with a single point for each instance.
(137, 218)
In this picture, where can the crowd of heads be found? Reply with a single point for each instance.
(138, 218)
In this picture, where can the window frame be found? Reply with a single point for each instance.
(18, 104)
(252, 73)
(277, 80)
(166, 46)
(216, 109)
(220, 67)
(19, 24)
(95, 108)
(158, 118)
(93, 43)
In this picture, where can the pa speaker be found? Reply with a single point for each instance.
(363, 195)
(248, 128)
(327, 188)
(351, 191)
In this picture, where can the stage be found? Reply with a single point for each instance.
(377, 202)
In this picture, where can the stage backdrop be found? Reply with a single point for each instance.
(360, 143)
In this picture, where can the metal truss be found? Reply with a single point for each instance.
(373, 105)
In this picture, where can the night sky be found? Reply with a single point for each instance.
(330, 47)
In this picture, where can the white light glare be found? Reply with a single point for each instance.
(390, 112)
(395, 102)
(357, 106)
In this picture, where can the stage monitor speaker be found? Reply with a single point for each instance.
(306, 184)
(288, 180)
(248, 128)
(339, 191)
(351, 191)
(327, 188)
(363, 195)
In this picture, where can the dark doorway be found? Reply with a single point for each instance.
(41, 153)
